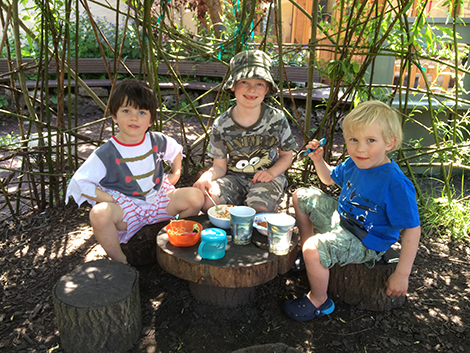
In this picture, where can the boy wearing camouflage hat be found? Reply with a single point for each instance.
(251, 143)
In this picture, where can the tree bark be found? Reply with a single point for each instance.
(97, 308)
(364, 287)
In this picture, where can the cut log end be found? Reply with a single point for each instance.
(97, 307)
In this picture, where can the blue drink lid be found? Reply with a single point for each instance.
(213, 234)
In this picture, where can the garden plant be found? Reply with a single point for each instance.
(356, 50)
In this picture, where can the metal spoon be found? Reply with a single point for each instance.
(217, 208)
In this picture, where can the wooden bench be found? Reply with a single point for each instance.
(187, 70)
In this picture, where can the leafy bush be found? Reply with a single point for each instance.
(89, 48)
(87, 45)
(450, 220)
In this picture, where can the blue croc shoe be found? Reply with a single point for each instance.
(302, 309)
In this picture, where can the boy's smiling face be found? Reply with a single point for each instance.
(133, 123)
(367, 148)
(250, 92)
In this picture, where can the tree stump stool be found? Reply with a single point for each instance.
(141, 248)
(97, 308)
(228, 282)
(363, 287)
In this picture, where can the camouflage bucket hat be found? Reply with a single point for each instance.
(251, 64)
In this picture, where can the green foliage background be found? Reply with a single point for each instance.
(146, 30)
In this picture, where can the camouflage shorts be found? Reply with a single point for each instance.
(239, 190)
(335, 244)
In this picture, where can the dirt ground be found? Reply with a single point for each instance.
(43, 246)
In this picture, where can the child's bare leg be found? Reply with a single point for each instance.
(318, 276)
(106, 220)
(302, 220)
(185, 201)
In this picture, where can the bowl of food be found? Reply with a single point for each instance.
(259, 222)
(183, 233)
(220, 218)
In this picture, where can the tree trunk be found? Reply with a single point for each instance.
(364, 287)
(214, 11)
(97, 308)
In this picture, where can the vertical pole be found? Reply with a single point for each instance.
(279, 38)
(311, 68)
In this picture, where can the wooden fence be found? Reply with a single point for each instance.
(440, 77)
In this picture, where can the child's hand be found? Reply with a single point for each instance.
(204, 182)
(397, 285)
(317, 154)
(262, 176)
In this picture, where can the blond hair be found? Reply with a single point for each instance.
(362, 117)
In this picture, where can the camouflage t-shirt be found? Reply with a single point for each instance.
(253, 148)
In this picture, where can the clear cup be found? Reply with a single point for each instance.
(280, 228)
(241, 224)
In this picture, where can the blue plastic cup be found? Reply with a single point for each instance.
(280, 228)
(241, 224)
(213, 243)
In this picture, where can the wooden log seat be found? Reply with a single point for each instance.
(141, 249)
(230, 281)
(97, 308)
(364, 287)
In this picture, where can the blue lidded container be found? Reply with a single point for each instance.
(213, 243)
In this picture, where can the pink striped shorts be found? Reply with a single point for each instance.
(138, 216)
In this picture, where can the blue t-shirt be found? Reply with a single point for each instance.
(379, 201)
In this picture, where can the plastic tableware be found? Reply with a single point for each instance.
(280, 228)
(213, 243)
(217, 219)
(182, 233)
(310, 150)
(260, 224)
(241, 224)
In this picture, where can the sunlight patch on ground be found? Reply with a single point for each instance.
(95, 252)
(158, 300)
(74, 240)
(456, 319)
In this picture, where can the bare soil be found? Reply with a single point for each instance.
(36, 251)
(41, 247)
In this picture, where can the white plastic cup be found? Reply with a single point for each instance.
(241, 224)
(280, 228)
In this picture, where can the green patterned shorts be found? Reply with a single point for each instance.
(239, 190)
(335, 244)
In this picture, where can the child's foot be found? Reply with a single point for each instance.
(299, 264)
(302, 309)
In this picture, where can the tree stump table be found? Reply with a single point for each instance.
(230, 281)
(97, 308)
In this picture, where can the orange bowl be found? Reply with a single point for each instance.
(180, 233)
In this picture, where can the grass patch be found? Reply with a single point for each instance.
(448, 220)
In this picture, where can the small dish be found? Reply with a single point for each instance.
(220, 219)
(259, 222)
(183, 233)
